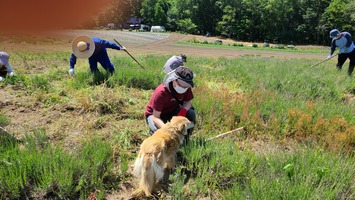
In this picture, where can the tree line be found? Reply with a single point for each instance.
(275, 21)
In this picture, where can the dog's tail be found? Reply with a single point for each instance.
(147, 170)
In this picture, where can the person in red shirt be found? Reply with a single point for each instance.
(171, 98)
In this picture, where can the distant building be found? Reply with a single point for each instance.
(134, 23)
(111, 26)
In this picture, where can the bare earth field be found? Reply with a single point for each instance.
(146, 43)
(25, 115)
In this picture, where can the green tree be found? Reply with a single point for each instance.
(147, 11)
(335, 15)
(249, 21)
(187, 26)
(179, 17)
(154, 12)
(227, 26)
(118, 11)
(206, 14)
(350, 10)
(310, 30)
(160, 13)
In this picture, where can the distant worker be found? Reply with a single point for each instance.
(344, 41)
(174, 62)
(5, 67)
(95, 50)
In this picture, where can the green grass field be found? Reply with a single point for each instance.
(298, 141)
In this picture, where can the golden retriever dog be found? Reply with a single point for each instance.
(157, 153)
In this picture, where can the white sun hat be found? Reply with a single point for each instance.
(83, 46)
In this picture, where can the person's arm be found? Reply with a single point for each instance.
(332, 47)
(10, 70)
(156, 119)
(349, 40)
(110, 45)
(185, 107)
(72, 62)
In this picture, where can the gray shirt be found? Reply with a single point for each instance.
(173, 63)
(4, 62)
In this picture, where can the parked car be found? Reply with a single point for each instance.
(144, 27)
(157, 29)
(111, 26)
(134, 26)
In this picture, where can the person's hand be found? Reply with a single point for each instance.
(329, 57)
(71, 72)
(12, 74)
(342, 50)
(1, 78)
(123, 48)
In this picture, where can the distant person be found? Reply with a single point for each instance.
(174, 62)
(171, 98)
(95, 50)
(5, 67)
(344, 41)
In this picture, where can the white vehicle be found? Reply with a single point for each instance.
(157, 29)
(144, 27)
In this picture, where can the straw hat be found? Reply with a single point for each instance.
(83, 46)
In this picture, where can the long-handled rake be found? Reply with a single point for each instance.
(129, 54)
(324, 60)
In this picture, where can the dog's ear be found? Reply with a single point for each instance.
(190, 125)
(181, 126)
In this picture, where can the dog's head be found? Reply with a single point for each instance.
(181, 124)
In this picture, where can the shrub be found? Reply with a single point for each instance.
(218, 42)
(194, 40)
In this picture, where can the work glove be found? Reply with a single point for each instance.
(71, 71)
(1, 78)
(329, 57)
(342, 50)
(123, 48)
(11, 74)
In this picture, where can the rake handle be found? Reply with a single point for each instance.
(129, 54)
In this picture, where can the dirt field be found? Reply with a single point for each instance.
(139, 43)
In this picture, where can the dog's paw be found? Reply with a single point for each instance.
(137, 194)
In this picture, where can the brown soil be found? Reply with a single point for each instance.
(138, 43)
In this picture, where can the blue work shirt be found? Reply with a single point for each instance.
(100, 53)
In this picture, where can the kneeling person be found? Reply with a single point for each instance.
(171, 98)
(5, 67)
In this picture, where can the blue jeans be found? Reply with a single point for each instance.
(104, 60)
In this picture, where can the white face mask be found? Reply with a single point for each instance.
(180, 90)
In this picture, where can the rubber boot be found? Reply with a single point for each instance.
(339, 67)
(351, 69)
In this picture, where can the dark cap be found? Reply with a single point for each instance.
(185, 74)
(183, 56)
(334, 33)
